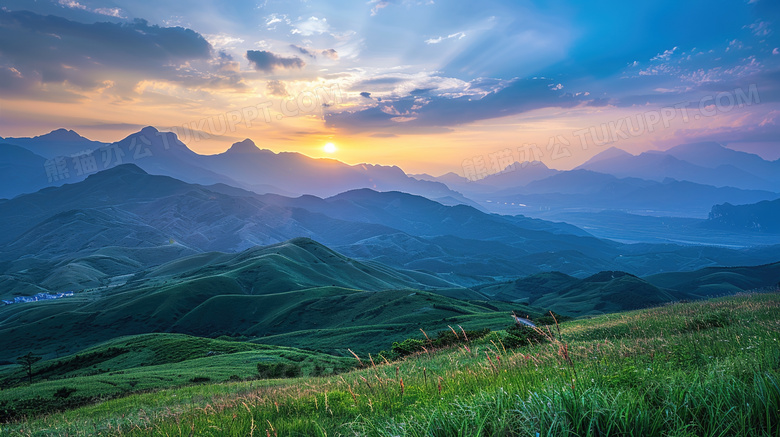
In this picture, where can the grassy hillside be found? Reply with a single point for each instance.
(702, 368)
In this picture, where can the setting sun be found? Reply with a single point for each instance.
(330, 148)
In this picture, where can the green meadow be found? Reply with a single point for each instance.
(686, 369)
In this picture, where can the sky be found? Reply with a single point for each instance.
(431, 86)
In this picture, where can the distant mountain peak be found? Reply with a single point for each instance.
(517, 165)
(664, 158)
(160, 140)
(611, 153)
(246, 146)
(149, 130)
(62, 134)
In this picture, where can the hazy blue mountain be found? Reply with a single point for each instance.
(635, 228)
(704, 163)
(713, 155)
(519, 174)
(59, 142)
(580, 182)
(657, 166)
(516, 175)
(450, 178)
(591, 191)
(611, 153)
(243, 165)
(759, 217)
(162, 153)
(21, 171)
(156, 152)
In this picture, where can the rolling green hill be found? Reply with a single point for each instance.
(281, 289)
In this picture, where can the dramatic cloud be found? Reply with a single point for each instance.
(48, 49)
(432, 113)
(266, 61)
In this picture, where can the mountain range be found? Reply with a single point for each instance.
(685, 181)
(243, 165)
(59, 142)
(702, 163)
